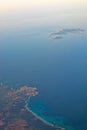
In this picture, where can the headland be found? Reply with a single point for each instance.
(14, 113)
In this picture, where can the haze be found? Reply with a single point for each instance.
(19, 13)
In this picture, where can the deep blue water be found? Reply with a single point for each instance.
(58, 68)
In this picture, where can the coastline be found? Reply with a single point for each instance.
(40, 118)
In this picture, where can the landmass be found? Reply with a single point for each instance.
(14, 113)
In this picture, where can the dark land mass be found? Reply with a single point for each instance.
(13, 112)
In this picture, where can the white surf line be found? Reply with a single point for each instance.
(40, 118)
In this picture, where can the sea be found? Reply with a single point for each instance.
(47, 49)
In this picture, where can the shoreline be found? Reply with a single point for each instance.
(40, 118)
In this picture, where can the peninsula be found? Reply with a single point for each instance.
(14, 114)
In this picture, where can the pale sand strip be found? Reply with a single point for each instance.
(40, 118)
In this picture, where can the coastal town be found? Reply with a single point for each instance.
(14, 114)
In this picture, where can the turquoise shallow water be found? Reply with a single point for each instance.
(41, 109)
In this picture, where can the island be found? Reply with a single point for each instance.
(14, 113)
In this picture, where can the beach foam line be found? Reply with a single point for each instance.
(40, 118)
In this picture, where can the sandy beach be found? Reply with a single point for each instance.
(38, 117)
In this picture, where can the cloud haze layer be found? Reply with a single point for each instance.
(26, 14)
(61, 33)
